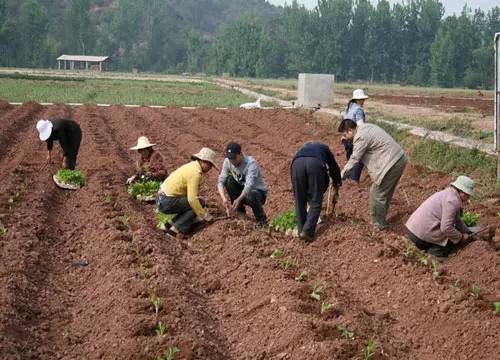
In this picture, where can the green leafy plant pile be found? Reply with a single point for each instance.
(162, 220)
(470, 218)
(285, 221)
(73, 177)
(144, 191)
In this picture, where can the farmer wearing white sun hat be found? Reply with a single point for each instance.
(355, 112)
(178, 194)
(69, 135)
(150, 164)
(436, 226)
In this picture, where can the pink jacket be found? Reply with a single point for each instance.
(438, 220)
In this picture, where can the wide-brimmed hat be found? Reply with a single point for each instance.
(142, 143)
(44, 128)
(206, 154)
(359, 94)
(464, 184)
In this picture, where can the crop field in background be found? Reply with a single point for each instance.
(107, 91)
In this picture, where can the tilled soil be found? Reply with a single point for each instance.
(76, 277)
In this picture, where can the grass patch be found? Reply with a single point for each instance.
(94, 91)
(73, 177)
(448, 159)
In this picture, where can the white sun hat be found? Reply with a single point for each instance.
(359, 94)
(44, 128)
(206, 154)
(142, 143)
(464, 184)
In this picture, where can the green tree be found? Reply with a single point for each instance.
(194, 51)
(358, 51)
(380, 44)
(79, 34)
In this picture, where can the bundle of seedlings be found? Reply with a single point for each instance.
(163, 220)
(286, 222)
(144, 191)
(69, 179)
(470, 218)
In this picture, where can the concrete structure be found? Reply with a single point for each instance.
(316, 89)
(78, 62)
(497, 101)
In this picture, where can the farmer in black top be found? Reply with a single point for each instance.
(312, 166)
(68, 133)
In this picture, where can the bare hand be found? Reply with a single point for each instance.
(227, 206)
(130, 180)
(208, 217)
(235, 206)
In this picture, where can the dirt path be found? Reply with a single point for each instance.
(77, 278)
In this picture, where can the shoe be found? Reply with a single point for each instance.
(306, 238)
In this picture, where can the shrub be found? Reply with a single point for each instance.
(73, 177)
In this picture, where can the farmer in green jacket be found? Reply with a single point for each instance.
(385, 161)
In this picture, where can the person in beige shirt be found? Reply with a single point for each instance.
(384, 159)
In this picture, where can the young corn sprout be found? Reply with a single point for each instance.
(316, 292)
(161, 329)
(302, 276)
(277, 254)
(344, 332)
(325, 307)
(369, 350)
(157, 303)
(476, 291)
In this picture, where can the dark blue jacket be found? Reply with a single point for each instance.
(323, 153)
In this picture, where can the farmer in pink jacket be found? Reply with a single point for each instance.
(436, 226)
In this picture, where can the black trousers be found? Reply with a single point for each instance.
(358, 168)
(433, 249)
(255, 199)
(309, 183)
(71, 146)
(179, 205)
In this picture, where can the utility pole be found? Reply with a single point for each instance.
(497, 102)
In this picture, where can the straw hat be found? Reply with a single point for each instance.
(464, 184)
(142, 143)
(44, 128)
(206, 154)
(359, 94)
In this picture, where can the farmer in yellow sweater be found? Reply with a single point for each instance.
(179, 193)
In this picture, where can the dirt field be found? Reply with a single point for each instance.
(75, 282)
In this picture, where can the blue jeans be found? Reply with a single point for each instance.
(358, 168)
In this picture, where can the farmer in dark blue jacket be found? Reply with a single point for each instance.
(311, 168)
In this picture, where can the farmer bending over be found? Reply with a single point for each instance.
(179, 193)
(310, 169)
(150, 164)
(68, 133)
(241, 178)
(385, 161)
(436, 226)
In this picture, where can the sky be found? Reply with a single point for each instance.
(451, 6)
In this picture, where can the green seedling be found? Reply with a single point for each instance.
(476, 291)
(436, 268)
(369, 350)
(124, 219)
(108, 197)
(3, 230)
(422, 259)
(302, 276)
(171, 353)
(496, 306)
(277, 254)
(74, 177)
(456, 284)
(344, 332)
(161, 329)
(288, 263)
(14, 197)
(143, 273)
(316, 292)
(285, 221)
(157, 303)
(325, 307)
(471, 218)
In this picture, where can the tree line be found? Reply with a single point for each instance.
(412, 42)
